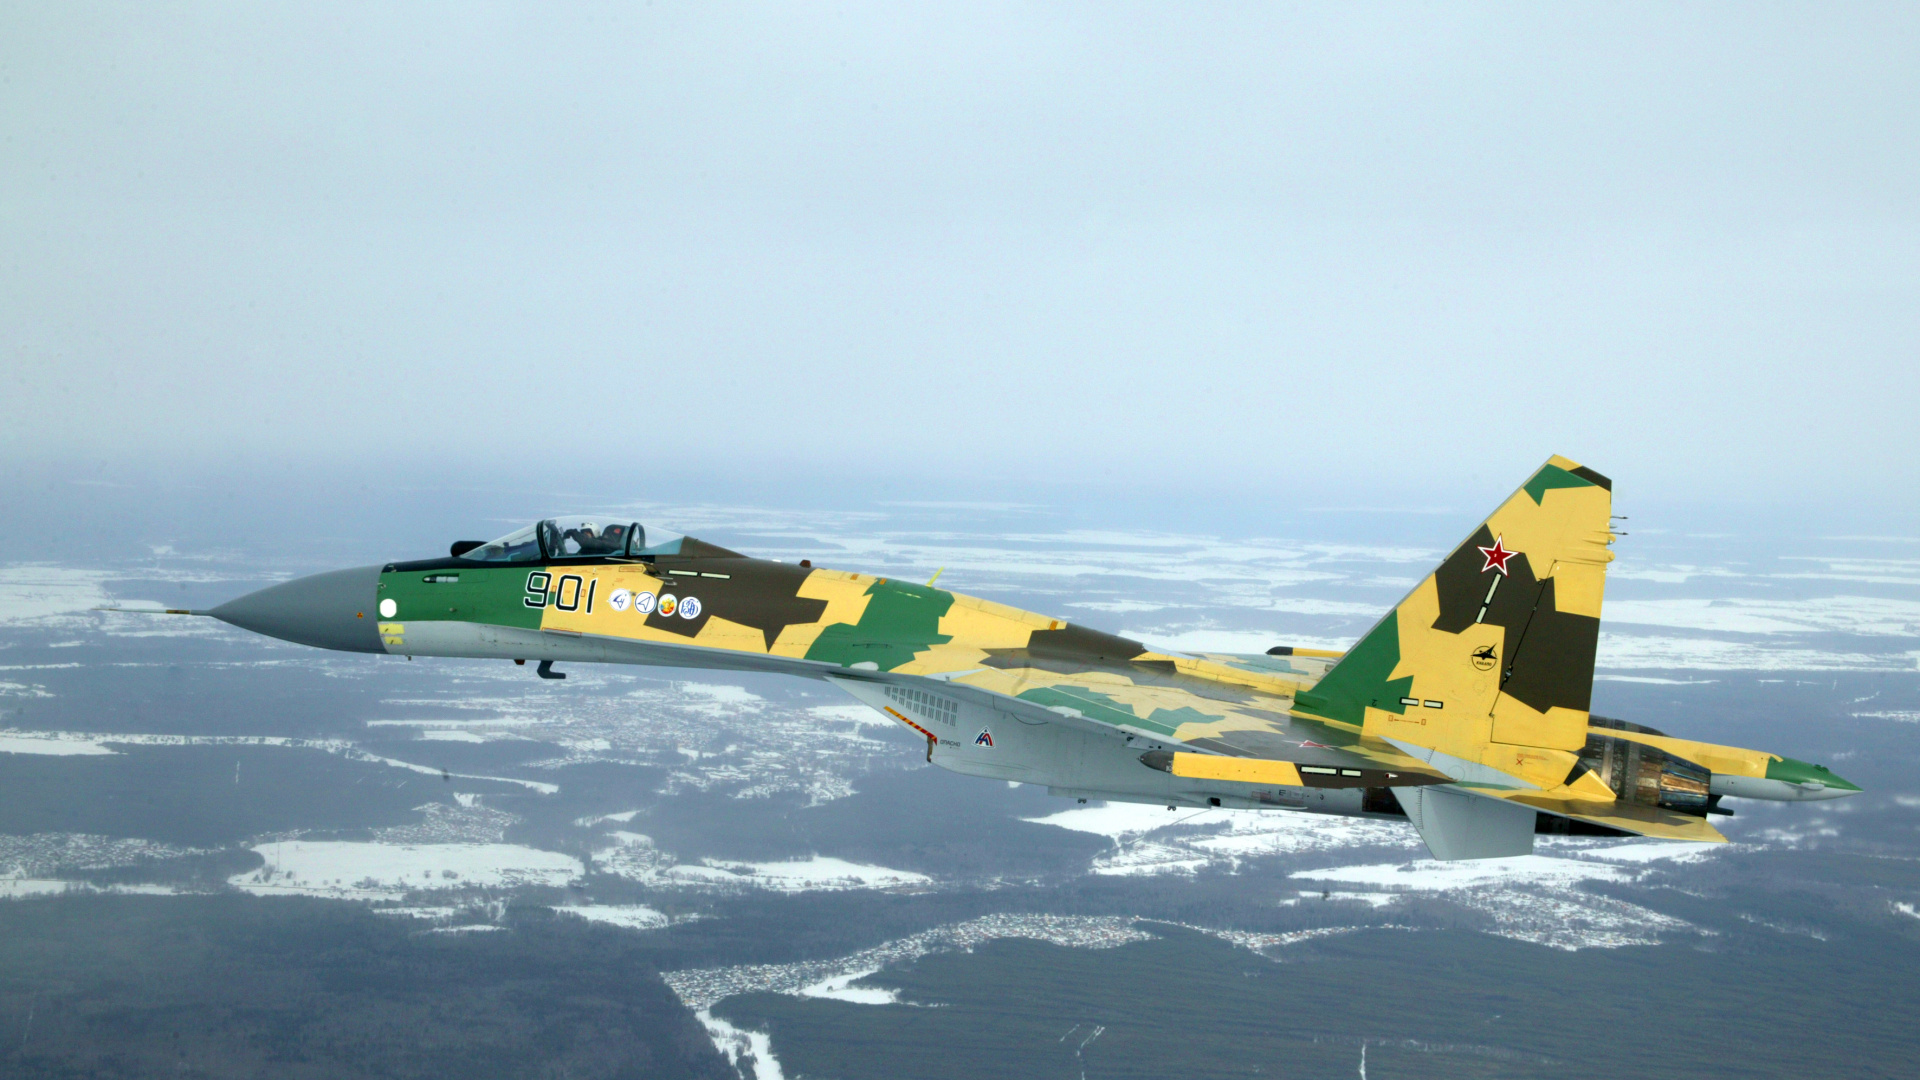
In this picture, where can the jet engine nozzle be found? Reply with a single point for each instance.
(334, 610)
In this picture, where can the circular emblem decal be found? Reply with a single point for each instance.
(690, 608)
(643, 603)
(620, 599)
(388, 609)
(1483, 658)
(667, 603)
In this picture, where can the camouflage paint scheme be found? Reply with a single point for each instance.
(1478, 682)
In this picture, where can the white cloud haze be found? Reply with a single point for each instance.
(1096, 241)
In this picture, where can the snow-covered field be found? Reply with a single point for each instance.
(1155, 840)
(700, 988)
(841, 988)
(1831, 614)
(1537, 898)
(1635, 652)
(36, 592)
(634, 856)
(49, 743)
(14, 888)
(42, 854)
(713, 736)
(375, 871)
(798, 875)
(629, 916)
(82, 742)
(834, 979)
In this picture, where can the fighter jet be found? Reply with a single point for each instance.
(1464, 711)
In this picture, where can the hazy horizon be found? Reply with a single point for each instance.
(1393, 249)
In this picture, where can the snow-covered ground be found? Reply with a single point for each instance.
(633, 855)
(1657, 652)
(17, 888)
(1155, 840)
(14, 888)
(713, 736)
(465, 821)
(747, 1051)
(833, 979)
(841, 988)
(700, 988)
(630, 916)
(49, 743)
(623, 817)
(42, 854)
(36, 592)
(85, 742)
(1644, 851)
(376, 871)
(1866, 615)
(1537, 898)
(1429, 875)
(798, 875)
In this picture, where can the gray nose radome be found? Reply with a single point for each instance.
(334, 610)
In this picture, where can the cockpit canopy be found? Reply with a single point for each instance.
(576, 537)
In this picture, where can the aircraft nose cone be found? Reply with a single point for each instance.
(334, 610)
(1813, 782)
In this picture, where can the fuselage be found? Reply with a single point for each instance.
(996, 691)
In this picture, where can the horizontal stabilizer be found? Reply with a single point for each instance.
(1627, 817)
(1457, 825)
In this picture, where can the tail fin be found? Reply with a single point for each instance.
(1486, 668)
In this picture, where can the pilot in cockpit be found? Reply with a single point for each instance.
(561, 538)
(583, 540)
(587, 541)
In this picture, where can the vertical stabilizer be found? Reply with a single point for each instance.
(1485, 670)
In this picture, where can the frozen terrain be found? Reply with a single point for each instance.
(654, 803)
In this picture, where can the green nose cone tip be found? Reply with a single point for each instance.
(1807, 775)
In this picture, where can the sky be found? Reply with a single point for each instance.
(1307, 252)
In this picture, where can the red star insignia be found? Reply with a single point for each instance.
(1497, 556)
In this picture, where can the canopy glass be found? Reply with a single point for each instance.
(577, 537)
